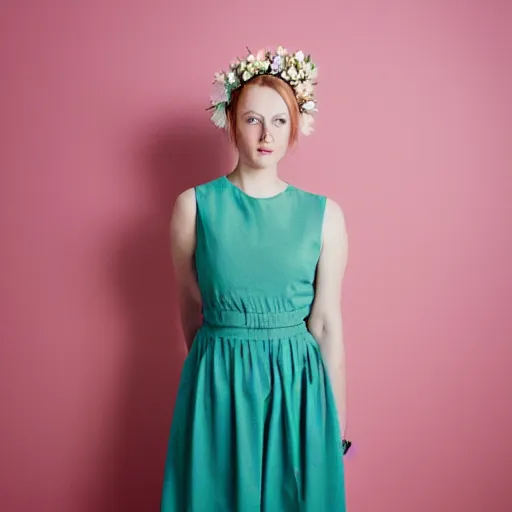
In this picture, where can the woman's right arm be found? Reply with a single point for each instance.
(183, 245)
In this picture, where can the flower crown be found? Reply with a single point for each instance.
(296, 69)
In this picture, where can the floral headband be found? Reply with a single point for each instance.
(296, 69)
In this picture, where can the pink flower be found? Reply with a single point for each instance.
(219, 94)
(219, 78)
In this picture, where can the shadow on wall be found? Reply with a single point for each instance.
(177, 155)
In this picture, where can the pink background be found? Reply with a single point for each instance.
(103, 122)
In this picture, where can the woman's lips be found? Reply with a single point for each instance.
(265, 151)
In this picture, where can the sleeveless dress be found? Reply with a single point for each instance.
(255, 426)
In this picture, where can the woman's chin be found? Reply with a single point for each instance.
(263, 161)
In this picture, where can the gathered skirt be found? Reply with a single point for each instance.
(255, 427)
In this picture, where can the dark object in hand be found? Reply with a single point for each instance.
(346, 445)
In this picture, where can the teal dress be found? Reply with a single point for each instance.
(255, 426)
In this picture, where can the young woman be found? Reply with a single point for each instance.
(260, 415)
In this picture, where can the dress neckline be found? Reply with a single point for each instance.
(253, 198)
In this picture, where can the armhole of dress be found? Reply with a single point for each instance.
(196, 223)
(323, 208)
(197, 193)
(197, 232)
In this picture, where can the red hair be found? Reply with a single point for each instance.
(281, 87)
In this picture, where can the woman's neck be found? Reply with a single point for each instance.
(262, 182)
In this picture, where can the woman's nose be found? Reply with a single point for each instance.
(266, 135)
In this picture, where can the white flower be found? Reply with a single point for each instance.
(231, 78)
(219, 117)
(307, 67)
(281, 51)
(246, 76)
(309, 105)
(306, 124)
(260, 55)
(250, 58)
(299, 56)
(304, 89)
(292, 72)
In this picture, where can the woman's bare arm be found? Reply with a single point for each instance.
(183, 245)
(325, 321)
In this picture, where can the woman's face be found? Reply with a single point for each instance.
(263, 126)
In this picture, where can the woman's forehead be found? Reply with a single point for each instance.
(262, 100)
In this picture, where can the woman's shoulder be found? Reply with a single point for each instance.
(333, 212)
(319, 196)
(186, 199)
(203, 188)
(334, 224)
(188, 196)
(307, 193)
(316, 198)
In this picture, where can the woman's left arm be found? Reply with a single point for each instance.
(325, 320)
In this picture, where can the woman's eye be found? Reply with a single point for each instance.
(251, 120)
(281, 121)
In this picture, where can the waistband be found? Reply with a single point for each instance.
(254, 333)
(254, 320)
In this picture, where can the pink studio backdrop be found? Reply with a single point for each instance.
(103, 123)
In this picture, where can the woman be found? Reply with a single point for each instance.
(260, 413)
